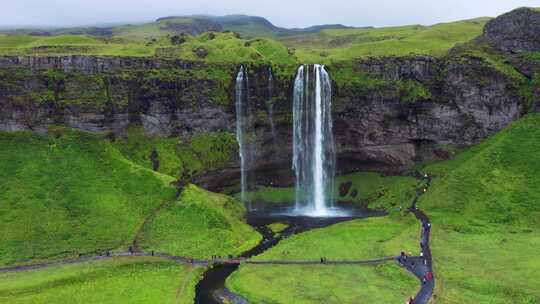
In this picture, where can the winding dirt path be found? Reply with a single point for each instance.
(422, 266)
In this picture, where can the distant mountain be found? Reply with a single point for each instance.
(246, 26)
(254, 26)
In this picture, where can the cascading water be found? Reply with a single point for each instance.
(270, 103)
(313, 142)
(242, 122)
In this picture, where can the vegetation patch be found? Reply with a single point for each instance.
(173, 157)
(119, 280)
(200, 224)
(277, 228)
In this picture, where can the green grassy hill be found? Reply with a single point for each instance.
(70, 193)
(200, 224)
(340, 44)
(485, 208)
(260, 41)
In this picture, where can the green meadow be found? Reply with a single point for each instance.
(327, 46)
(118, 280)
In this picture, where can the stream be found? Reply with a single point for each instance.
(211, 288)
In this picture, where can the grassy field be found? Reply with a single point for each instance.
(71, 193)
(360, 239)
(340, 44)
(120, 280)
(485, 209)
(323, 284)
(327, 46)
(201, 224)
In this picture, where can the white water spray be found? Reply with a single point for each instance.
(313, 142)
(241, 125)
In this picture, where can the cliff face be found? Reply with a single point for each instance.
(398, 111)
(168, 97)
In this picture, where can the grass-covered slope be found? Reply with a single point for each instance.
(173, 157)
(200, 224)
(121, 280)
(343, 44)
(71, 193)
(485, 209)
(260, 44)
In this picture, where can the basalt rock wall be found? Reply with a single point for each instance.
(400, 111)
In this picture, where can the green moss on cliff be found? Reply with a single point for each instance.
(172, 157)
(411, 91)
(352, 81)
(492, 58)
(530, 90)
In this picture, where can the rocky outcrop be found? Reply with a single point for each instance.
(515, 32)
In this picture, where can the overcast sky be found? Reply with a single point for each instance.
(287, 13)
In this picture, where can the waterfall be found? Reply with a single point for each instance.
(242, 123)
(270, 103)
(313, 141)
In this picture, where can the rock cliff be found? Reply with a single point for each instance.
(397, 111)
